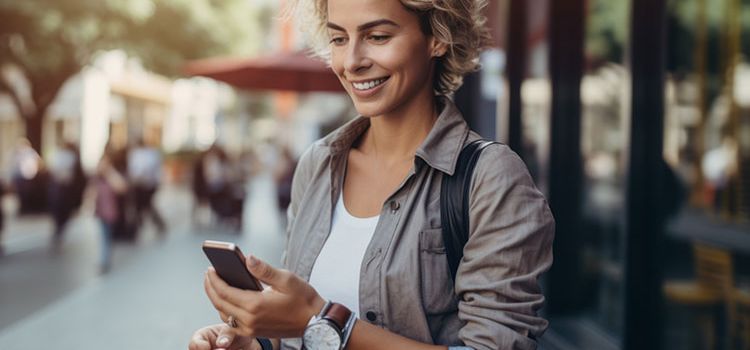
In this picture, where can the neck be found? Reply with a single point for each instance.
(396, 136)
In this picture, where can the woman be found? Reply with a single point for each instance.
(110, 184)
(364, 220)
(2, 216)
(67, 183)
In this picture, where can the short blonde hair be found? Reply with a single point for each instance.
(459, 24)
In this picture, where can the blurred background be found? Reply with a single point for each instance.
(130, 131)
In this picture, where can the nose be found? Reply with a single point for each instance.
(356, 59)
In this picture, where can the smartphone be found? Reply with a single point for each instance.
(229, 263)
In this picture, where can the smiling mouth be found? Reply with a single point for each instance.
(367, 85)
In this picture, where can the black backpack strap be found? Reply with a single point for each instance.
(454, 203)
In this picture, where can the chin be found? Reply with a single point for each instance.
(368, 109)
(371, 111)
(366, 112)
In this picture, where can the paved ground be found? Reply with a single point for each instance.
(153, 297)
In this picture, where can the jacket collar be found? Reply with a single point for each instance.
(439, 150)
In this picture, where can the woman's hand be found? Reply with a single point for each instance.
(221, 336)
(281, 310)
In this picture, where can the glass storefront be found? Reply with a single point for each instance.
(707, 137)
(604, 140)
(707, 146)
(697, 274)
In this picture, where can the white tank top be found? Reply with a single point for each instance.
(335, 274)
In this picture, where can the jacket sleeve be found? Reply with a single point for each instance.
(509, 247)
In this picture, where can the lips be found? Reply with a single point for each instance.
(368, 84)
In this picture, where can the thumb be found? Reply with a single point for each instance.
(263, 271)
(225, 338)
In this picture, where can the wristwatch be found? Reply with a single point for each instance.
(330, 329)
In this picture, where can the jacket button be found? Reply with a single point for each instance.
(395, 205)
(371, 316)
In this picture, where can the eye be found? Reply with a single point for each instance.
(378, 38)
(338, 41)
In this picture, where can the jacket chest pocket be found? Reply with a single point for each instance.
(438, 294)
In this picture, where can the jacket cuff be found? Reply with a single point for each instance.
(265, 344)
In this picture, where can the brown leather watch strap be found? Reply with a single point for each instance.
(339, 314)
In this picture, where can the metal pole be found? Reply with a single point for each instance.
(699, 147)
(644, 227)
(566, 62)
(734, 31)
(516, 71)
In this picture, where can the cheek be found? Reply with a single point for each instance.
(408, 60)
(337, 68)
(337, 63)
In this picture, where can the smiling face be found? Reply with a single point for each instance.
(380, 54)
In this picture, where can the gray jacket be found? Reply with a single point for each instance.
(405, 284)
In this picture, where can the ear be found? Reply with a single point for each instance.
(437, 48)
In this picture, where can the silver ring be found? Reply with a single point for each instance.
(231, 321)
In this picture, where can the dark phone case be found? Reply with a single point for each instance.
(230, 265)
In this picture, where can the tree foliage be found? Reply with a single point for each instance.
(49, 41)
(607, 29)
(609, 23)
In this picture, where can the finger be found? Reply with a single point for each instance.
(219, 300)
(212, 296)
(199, 342)
(227, 294)
(226, 338)
(223, 317)
(245, 343)
(266, 273)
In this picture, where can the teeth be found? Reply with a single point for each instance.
(368, 85)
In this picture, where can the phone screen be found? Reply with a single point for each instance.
(229, 263)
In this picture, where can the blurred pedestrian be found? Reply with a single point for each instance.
(365, 220)
(2, 216)
(720, 168)
(235, 193)
(199, 186)
(216, 175)
(125, 227)
(144, 176)
(28, 178)
(67, 184)
(110, 184)
(283, 174)
(249, 164)
(219, 181)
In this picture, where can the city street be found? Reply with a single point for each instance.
(152, 298)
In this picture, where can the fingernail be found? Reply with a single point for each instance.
(222, 341)
(253, 260)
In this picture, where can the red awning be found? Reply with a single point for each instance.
(290, 71)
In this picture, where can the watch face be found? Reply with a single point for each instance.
(322, 336)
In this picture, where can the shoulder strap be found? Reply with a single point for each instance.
(454, 203)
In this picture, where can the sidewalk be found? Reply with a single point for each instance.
(153, 298)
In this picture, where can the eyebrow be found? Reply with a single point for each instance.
(368, 25)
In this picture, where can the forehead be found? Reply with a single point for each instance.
(351, 13)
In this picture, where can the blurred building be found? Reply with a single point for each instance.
(282, 98)
(10, 130)
(115, 100)
(201, 112)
